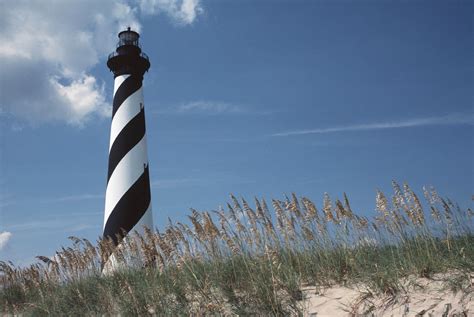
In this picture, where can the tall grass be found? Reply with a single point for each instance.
(252, 259)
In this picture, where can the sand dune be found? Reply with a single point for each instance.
(422, 297)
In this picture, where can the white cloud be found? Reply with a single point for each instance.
(79, 197)
(4, 238)
(456, 118)
(84, 97)
(65, 223)
(49, 47)
(183, 12)
(209, 107)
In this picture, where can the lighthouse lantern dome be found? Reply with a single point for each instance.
(128, 37)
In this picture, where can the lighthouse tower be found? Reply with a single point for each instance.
(127, 198)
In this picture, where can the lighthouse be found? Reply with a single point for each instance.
(127, 197)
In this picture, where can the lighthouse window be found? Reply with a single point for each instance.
(128, 38)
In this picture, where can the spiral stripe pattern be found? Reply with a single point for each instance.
(127, 198)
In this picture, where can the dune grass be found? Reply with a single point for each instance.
(252, 259)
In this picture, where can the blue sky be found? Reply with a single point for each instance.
(255, 98)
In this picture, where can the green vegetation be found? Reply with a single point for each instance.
(251, 260)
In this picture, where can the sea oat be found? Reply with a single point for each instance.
(327, 208)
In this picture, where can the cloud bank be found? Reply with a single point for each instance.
(450, 119)
(49, 47)
(4, 238)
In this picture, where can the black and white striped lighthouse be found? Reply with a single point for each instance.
(127, 198)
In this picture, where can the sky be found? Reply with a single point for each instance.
(256, 98)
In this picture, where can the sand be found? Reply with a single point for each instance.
(422, 297)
